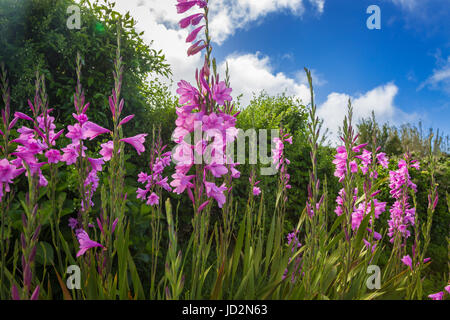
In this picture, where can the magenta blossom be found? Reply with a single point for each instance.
(153, 199)
(407, 261)
(437, 296)
(137, 142)
(216, 192)
(53, 156)
(107, 150)
(85, 242)
(221, 93)
(191, 20)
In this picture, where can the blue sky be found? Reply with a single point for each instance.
(401, 71)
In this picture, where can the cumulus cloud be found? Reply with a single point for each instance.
(440, 79)
(380, 100)
(253, 73)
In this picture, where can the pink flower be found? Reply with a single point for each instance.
(126, 119)
(193, 35)
(256, 191)
(437, 296)
(407, 261)
(8, 171)
(383, 160)
(85, 242)
(447, 288)
(215, 192)
(181, 182)
(191, 20)
(221, 93)
(353, 167)
(217, 170)
(96, 164)
(187, 92)
(196, 48)
(141, 194)
(137, 142)
(53, 156)
(185, 5)
(22, 116)
(153, 199)
(71, 153)
(340, 161)
(107, 150)
(92, 130)
(75, 133)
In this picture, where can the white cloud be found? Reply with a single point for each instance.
(320, 4)
(229, 15)
(440, 79)
(406, 4)
(252, 73)
(380, 100)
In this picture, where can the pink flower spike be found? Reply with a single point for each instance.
(407, 261)
(85, 242)
(126, 119)
(112, 106)
(86, 107)
(57, 135)
(35, 295)
(13, 123)
(203, 206)
(22, 116)
(15, 293)
(30, 104)
(137, 142)
(193, 35)
(114, 225)
(256, 191)
(357, 149)
(437, 296)
(99, 223)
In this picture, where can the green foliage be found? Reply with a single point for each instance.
(35, 36)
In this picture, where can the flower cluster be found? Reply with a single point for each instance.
(402, 214)
(36, 141)
(194, 20)
(279, 159)
(158, 162)
(368, 163)
(294, 244)
(205, 109)
(8, 171)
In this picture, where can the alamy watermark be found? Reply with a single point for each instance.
(74, 20)
(374, 21)
(374, 281)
